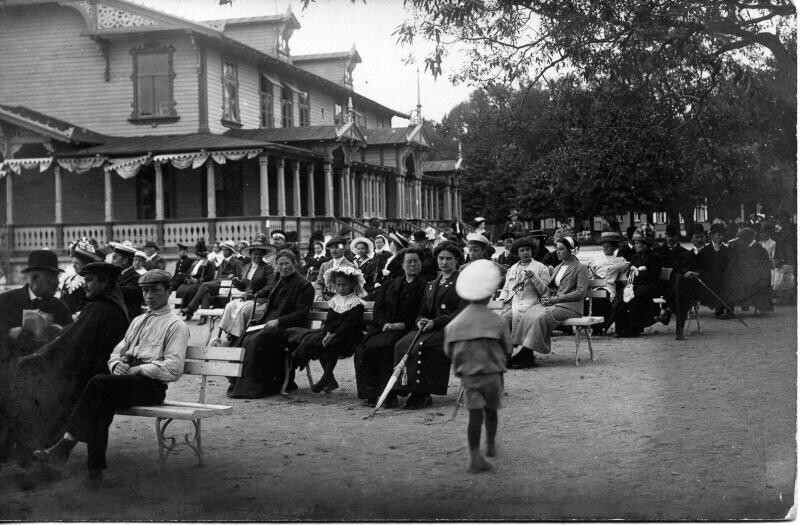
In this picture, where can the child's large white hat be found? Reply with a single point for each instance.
(478, 280)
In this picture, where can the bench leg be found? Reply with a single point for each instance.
(287, 368)
(697, 316)
(308, 374)
(577, 342)
(589, 342)
(211, 322)
(166, 444)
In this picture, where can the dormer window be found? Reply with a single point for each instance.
(338, 114)
(230, 93)
(153, 78)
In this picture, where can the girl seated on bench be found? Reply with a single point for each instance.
(342, 329)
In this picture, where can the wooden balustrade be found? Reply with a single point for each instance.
(138, 233)
(90, 231)
(27, 238)
(237, 230)
(184, 232)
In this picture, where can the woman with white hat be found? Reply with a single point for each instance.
(364, 251)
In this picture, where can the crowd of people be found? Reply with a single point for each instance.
(111, 340)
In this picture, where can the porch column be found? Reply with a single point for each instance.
(211, 190)
(373, 195)
(281, 187)
(364, 194)
(310, 196)
(59, 193)
(10, 201)
(419, 196)
(263, 172)
(108, 198)
(296, 209)
(328, 189)
(448, 204)
(159, 191)
(382, 197)
(345, 190)
(399, 183)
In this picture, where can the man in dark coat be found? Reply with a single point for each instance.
(229, 268)
(154, 260)
(202, 270)
(396, 306)
(42, 274)
(508, 258)
(671, 251)
(45, 385)
(626, 250)
(182, 267)
(513, 225)
(122, 256)
(747, 278)
(422, 240)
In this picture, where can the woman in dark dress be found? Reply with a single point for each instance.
(396, 307)
(428, 368)
(314, 260)
(288, 305)
(72, 289)
(632, 317)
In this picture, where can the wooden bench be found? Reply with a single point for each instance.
(694, 307)
(202, 361)
(227, 292)
(580, 324)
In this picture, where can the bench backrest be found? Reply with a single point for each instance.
(228, 291)
(213, 361)
(319, 311)
(595, 291)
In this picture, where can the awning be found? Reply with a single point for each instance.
(196, 159)
(17, 165)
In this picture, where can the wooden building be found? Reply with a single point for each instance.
(122, 122)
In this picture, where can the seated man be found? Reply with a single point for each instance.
(259, 276)
(229, 268)
(507, 258)
(182, 267)
(46, 384)
(151, 354)
(122, 256)
(201, 270)
(336, 246)
(611, 268)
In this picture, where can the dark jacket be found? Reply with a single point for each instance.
(260, 284)
(182, 267)
(156, 263)
(229, 269)
(204, 275)
(670, 257)
(14, 302)
(430, 268)
(398, 301)
(441, 302)
(646, 283)
(131, 293)
(289, 301)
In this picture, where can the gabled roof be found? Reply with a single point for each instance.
(407, 135)
(436, 166)
(155, 144)
(287, 17)
(347, 132)
(49, 126)
(322, 57)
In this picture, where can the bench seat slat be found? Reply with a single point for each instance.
(583, 321)
(219, 353)
(213, 368)
(210, 312)
(177, 410)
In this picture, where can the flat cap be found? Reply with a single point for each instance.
(154, 277)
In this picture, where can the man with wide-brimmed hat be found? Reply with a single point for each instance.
(479, 246)
(150, 355)
(229, 268)
(256, 283)
(154, 260)
(37, 294)
(611, 268)
(46, 384)
(525, 283)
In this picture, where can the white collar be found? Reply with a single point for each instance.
(343, 303)
(32, 295)
(152, 256)
(337, 262)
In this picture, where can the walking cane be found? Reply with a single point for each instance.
(718, 298)
(396, 373)
(458, 403)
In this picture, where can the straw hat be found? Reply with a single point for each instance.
(370, 245)
(479, 280)
(229, 244)
(349, 271)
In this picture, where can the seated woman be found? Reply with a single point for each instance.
(288, 304)
(256, 282)
(526, 282)
(341, 330)
(72, 288)
(396, 305)
(391, 267)
(563, 300)
(428, 368)
(633, 314)
(314, 260)
(364, 251)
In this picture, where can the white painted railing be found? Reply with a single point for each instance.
(237, 230)
(138, 234)
(27, 238)
(184, 232)
(90, 231)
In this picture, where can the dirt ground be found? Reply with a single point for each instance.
(654, 429)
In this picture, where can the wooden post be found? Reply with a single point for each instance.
(328, 189)
(281, 187)
(263, 170)
(310, 195)
(211, 190)
(344, 192)
(400, 198)
(296, 209)
(448, 204)
(382, 196)
(159, 191)
(108, 197)
(58, 194)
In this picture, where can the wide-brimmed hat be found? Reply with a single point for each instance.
(112, 270)
(481, 239)
(139, 253)
(151, 244)
(125, 248)
(641, 237)
(430, 231)
(537, 234)
(85, 250)
(277, 233)
(349, 271)
(42, 260)
(230, 245)
(260, 243)
(524, 241)
(154, 277)
(335, 241)
(613, 237)
(398, 239)
(479, 280)
(369, 243)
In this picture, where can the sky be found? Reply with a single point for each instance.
(335, 25)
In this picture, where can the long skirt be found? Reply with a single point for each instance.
(538, 323)
(310, 347)
(633, 317)
(186, 293)
(427, 368)
(264, 359)
(374, 362)
(237, 315)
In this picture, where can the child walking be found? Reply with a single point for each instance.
(479, 344)
(342, 329)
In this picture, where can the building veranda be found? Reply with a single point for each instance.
(119, 122)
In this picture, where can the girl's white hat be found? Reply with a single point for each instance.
(479, 280)
(355, 273)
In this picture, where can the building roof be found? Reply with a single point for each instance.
(157, 144)
(49, 126)
(433, 166)
(321, 57)
(407, 135)
(221, 23)
(348, 131)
